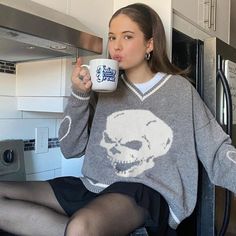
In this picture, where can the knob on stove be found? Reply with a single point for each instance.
(8, 156)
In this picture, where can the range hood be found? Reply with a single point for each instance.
(30, 31)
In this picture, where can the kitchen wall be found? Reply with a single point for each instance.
(16, 124)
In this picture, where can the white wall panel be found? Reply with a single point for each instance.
(71, 167)
(8, 108)
(45, 175)
(24, 128)
(7, 84)
(35, 163)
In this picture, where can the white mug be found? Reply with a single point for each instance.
(104, 74)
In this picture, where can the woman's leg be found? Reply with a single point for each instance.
(30, 208)
(109, 214)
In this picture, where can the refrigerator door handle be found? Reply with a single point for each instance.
(229, 107)
(228, 194)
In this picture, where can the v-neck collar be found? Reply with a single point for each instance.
(138, 93)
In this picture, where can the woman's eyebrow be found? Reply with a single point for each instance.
(127, 31)
(124, 32)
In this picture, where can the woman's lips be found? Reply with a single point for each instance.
(117, 58)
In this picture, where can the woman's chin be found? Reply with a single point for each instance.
(121, 66)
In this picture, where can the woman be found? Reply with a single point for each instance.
(140, 166)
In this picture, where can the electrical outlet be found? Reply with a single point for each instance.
(41, 139)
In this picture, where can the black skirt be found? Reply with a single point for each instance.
(72, 195)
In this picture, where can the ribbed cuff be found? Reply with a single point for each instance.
(81, 95)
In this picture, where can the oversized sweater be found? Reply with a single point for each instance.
(154, 138)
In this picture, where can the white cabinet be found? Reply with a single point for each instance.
(43, 85)
(61, 5)
(95, 15)
(212, 16)
(188, 8)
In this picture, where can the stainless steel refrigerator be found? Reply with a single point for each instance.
(212, 65)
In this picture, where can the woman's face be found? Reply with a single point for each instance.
(126, 43)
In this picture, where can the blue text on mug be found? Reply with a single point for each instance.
(105, 73)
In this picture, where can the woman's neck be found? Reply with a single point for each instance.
(139, 75)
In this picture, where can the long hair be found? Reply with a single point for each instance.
(151, 25)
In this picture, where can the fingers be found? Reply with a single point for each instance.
(79, 61)
(81, 77)
(84, 76)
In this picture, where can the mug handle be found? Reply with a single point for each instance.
(84, 65)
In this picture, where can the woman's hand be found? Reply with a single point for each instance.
(81, 78)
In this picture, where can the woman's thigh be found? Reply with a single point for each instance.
(108, 214)
(39, 192)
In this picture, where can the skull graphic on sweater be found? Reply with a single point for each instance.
(133, 139)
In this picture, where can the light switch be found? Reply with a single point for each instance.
(41, 139)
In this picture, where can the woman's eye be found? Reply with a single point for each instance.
(127, 37)
(111, 38)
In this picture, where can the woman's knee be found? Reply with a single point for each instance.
(82, 223)
(75, 227)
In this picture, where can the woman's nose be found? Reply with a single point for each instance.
(118, 44)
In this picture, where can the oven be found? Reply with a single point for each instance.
(12, 166)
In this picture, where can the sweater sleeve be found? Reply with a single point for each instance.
(74, 128)
(213, 146)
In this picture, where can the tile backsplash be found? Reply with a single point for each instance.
(29, 145)
(7, 67)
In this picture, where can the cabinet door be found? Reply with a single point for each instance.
(95, 15)
(39, 78)
(223, 19)
(214, 16)
(188, 8)
(44, 78)
(43, 85)
(61, 5)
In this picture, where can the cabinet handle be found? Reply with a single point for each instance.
(214, 6)
(209, 5)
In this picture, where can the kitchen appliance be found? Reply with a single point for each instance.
(30, 31)
(213, 73)
(12, 166)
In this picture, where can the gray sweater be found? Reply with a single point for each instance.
(154, 138)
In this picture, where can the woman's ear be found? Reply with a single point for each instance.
(150, 45)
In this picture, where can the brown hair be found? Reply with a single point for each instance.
(151, 25)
